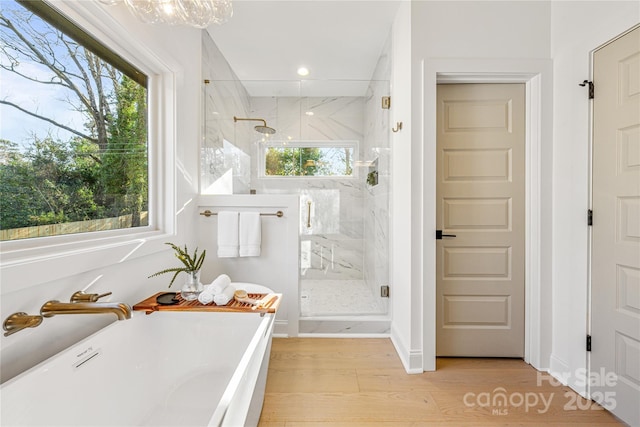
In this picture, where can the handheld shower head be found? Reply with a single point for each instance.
(260, 128)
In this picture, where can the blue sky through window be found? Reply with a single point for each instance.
(49, 100)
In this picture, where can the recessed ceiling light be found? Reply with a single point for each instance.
(303, 71)
(309, 113)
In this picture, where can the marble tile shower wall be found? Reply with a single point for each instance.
(333, 243)
(377, 148)
(225, 162)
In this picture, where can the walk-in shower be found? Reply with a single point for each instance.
(332, 150)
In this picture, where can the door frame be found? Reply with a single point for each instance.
(537, 77)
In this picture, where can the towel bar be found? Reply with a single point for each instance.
(279, 214)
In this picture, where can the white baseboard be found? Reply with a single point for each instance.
(558, 369)
(411, 359)
(575, 378)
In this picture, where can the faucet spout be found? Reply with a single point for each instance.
(53, 308)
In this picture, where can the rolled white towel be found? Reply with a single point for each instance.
(206, 296)
(220, 283)
(225, 296)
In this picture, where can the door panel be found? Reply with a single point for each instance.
(477, 165)
(615, 262)
(489, 214)
(462, 311)
(480, 174)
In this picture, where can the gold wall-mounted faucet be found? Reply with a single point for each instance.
(81, 303)
(54, 308)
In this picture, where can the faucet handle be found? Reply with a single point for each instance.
(80, 296)
(19, 321)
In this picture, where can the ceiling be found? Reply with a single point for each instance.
(340, 42)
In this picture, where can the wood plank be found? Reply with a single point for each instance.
(326, 382)
(353, 407)
(333, 353)
(331, 345)
(313, 381)
(427, 423)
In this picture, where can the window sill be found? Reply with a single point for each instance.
(23, 266)
(308, 177)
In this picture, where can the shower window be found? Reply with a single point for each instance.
(304, 159)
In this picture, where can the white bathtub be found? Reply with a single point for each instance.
(163, 369)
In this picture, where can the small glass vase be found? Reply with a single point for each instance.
(192, 286)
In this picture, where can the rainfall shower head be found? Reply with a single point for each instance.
(265, 129)
(260, 128)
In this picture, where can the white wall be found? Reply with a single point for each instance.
(406, 293)
(478, 38)
(29, 281)
(577, 28)
(277, 265)
(481, 29)
(481, 36)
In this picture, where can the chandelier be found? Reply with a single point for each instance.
(196, 13)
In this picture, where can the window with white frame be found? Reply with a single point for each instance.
(306, 159)
(73, 143)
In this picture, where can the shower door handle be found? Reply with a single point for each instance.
(308, 213)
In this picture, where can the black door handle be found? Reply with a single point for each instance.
(439, 235)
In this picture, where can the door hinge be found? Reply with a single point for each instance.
(384, 291)
(591, 87)
(590, 217)
(588, 342)
(386, 102)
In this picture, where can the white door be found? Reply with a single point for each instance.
(615, 262)
(480, 200)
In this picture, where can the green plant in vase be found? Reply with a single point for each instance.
(192, 264)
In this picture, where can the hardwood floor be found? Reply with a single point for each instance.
(315, 382)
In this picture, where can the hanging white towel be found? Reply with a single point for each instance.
(250, 234)
(227, 234)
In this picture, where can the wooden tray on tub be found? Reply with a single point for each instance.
(150, 305)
